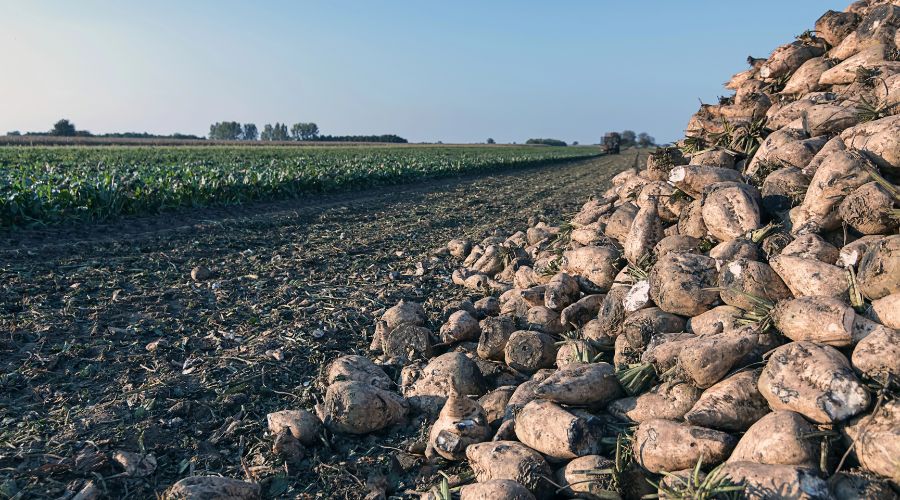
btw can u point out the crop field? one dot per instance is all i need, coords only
(40, 185)
(107, 340)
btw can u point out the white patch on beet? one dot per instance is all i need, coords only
(735, 269)
(848, 258)
(677, 174)
(846, 397)
(637, 297)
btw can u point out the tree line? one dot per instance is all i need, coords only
(629, 139)
(362, 138)
(225, 131)
(65, 128)
(547, 142)
(234, 131)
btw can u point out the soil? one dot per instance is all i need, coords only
(107, 344)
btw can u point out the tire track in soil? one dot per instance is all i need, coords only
(105, 339)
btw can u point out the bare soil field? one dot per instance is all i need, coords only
(108, 345)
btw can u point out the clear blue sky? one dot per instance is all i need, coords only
(458, 71)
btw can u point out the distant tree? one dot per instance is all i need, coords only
(628, 138)
(249, 132)
(298, 130)
(546, 142)
(13, 133)
(280, 132)
(645, 141)
(63, 127)
(304, 131)
(312, 130)
(574, 143)
(491, 141)
(277, 132)
(225, 131)
(235, 130)
(268, 133)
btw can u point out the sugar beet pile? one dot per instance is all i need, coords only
(721, 323)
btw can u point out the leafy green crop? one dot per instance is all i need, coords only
(40, 185)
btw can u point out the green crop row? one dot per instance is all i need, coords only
(44, 185)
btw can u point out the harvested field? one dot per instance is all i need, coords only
(108, 344)
(713, 319)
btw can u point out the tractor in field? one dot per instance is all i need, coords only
(611, 142)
